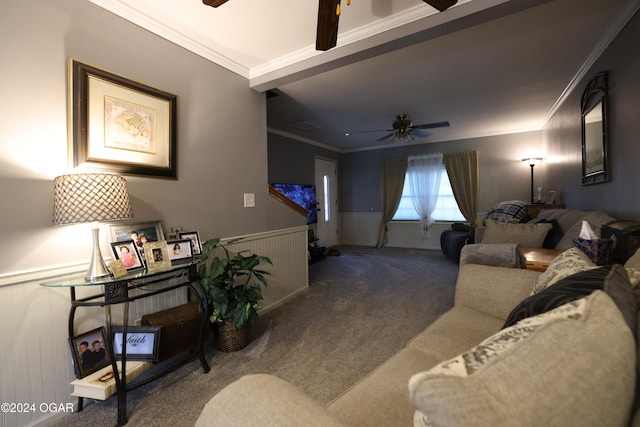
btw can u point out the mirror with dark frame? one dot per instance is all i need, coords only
(594, 109)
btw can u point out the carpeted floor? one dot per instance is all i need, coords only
(361, 307)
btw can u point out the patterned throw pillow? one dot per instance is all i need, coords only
(517, 376)
(567, 263)
(507, 211)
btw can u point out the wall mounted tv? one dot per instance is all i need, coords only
(304, 195)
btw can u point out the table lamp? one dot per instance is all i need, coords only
(91, 197)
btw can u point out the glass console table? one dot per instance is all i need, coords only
(111, 291)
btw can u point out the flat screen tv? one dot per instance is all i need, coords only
(302, 194)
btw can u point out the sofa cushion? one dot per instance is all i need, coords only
(382, 397)
(596, 220)
(567, 263)
(612, 280)
(633, 268)
(531, 235)
(574, 365)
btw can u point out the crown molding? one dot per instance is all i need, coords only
(123, 10)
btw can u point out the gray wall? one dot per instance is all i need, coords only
(562, 138)
(218, 160)
(293, 162)
(499, 158)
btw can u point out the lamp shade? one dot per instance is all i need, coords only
(90, 197)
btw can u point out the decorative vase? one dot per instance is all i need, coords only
(229, 338)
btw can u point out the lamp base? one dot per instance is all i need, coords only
(97, 267)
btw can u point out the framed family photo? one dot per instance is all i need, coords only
(139, 232)
(127, 252)
(194, 236)
(120, 125)
(90, 352)
(180, 251)
(157, 255)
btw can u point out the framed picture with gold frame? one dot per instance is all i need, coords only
(157, 255)
(120, 125)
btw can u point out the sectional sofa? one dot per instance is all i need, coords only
(519, 348)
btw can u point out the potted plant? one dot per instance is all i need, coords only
(232, 283)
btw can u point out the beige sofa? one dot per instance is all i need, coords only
(566, 372)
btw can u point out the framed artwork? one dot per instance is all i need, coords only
(143, 342)
(196, 245)
(157, 255)
(127, 252)
(180, 251)
(120, 125)
(90, 352)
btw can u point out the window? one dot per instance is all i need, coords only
(446, 207)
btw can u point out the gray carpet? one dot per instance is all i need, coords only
(361, 308)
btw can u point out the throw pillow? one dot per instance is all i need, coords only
(612, 280)
(581, 354)
(554, 235)
(530, 235)
(567, 263)
(507, 210)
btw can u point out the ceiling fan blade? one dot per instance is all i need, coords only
(214, 3)
(386, 136)
(327, 32)
(419, 133)
(441, 5)
(431, 125)
(376, 130)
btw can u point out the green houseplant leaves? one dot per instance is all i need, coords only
(232, 282)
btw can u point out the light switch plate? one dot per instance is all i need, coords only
(249, 200)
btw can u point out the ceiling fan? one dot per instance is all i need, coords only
(403, 130)
(328, 15)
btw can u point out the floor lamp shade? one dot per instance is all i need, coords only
(80, 198)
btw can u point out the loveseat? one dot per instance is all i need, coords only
(572, 365)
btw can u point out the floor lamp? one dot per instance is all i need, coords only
(532, 162)
(91, 197)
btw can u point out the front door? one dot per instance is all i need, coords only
(327, 198)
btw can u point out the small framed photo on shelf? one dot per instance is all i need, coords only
(89, 352)
(196, 245)
(180, 251)
(127, 252)
(157, 255)
(143, 342)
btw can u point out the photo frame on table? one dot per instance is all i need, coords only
(194, 236)
(120, 125)
(127, 252)
(180, 251)
(90, 352)
(157, 255)
(143, 342)
(139, 232)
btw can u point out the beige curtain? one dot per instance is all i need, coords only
(464, 174)
(392, 174)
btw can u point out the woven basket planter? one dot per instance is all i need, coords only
(229, 338)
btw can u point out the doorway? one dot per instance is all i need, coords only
(327, 199)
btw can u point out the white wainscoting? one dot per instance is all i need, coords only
(361, 229)
(35, 360)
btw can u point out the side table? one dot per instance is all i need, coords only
(537, 259)
(111, 291)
